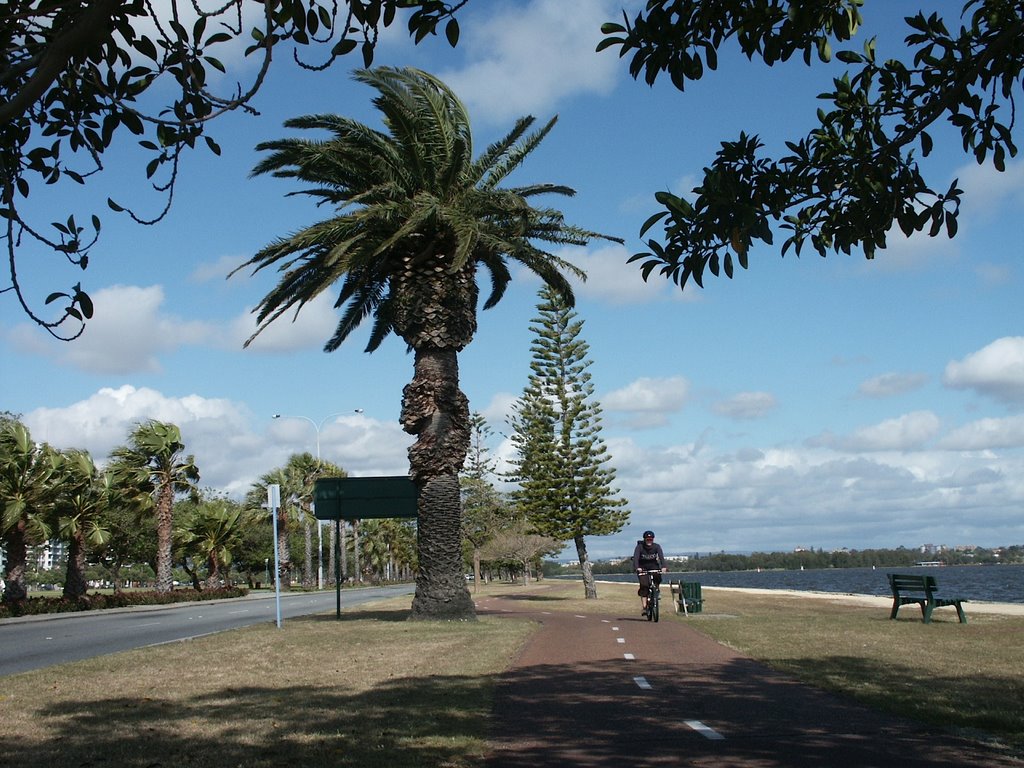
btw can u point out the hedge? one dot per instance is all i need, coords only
(34, 606)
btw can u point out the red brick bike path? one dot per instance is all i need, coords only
(606, 690)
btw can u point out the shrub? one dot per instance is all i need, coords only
(35, 606)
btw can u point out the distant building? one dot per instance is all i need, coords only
(51, 555)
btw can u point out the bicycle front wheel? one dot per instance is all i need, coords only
(654, 609)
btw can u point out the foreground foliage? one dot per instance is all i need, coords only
(856, 176)
(76, 76)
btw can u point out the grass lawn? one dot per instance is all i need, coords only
(321, 692)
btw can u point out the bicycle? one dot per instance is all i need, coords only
(653, 596)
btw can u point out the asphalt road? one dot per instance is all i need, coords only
(41, 641)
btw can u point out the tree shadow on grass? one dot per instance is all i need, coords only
(357, 614)
(535, 598)
(407, 722)
(590, 714)
(545, 714)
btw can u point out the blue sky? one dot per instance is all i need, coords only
(808, 402)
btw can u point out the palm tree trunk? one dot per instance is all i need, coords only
(307, 563)
(357, 567)
(284, 552)
(164, 511)
(213, 580)
(16, 550)
(329, 575)
(344, 554)
(437, 412)
(74, 580)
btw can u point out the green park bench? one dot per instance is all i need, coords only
(686, 597)
(913, 588)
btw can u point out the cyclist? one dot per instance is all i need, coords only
(648, 556)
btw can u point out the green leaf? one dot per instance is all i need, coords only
(651, 221)
(343, 47)
(451, 31)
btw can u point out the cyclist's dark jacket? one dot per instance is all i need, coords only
(649, 558)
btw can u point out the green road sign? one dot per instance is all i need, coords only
(361, 498)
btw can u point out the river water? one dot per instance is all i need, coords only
(995, 583)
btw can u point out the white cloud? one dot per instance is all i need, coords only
(215, 270)
(891, 384)
(996, 371)
(218, 432)
(699, 499)
(988, 192)
(127, 334)
(310, 329)
(525, 58)
(612, 280)
(746, 405)
(498, 409)
(986, 434)
(102, 421)
(648, 400)
(904, 433)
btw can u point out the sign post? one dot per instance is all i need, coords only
(360, 498)
(274, 502)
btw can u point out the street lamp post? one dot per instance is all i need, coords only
(319, 531)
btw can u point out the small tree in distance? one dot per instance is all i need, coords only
(485, 510)
(565, 483)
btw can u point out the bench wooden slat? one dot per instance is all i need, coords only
(921, 589)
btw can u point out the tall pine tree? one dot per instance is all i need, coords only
(561, 467)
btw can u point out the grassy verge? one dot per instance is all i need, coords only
(316, 692)
(373, 686)
(961, 676)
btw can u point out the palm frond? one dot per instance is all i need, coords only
(411, 192)
(514, 156)
(498, 149)
(500, 275)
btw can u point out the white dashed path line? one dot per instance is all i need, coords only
(705, 731)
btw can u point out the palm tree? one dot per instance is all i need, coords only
(415, 217)
(155, 456)
(29, 486)
(303, 469)
(256, 500)
(129, 504)
(213, 531)
(85, 494)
